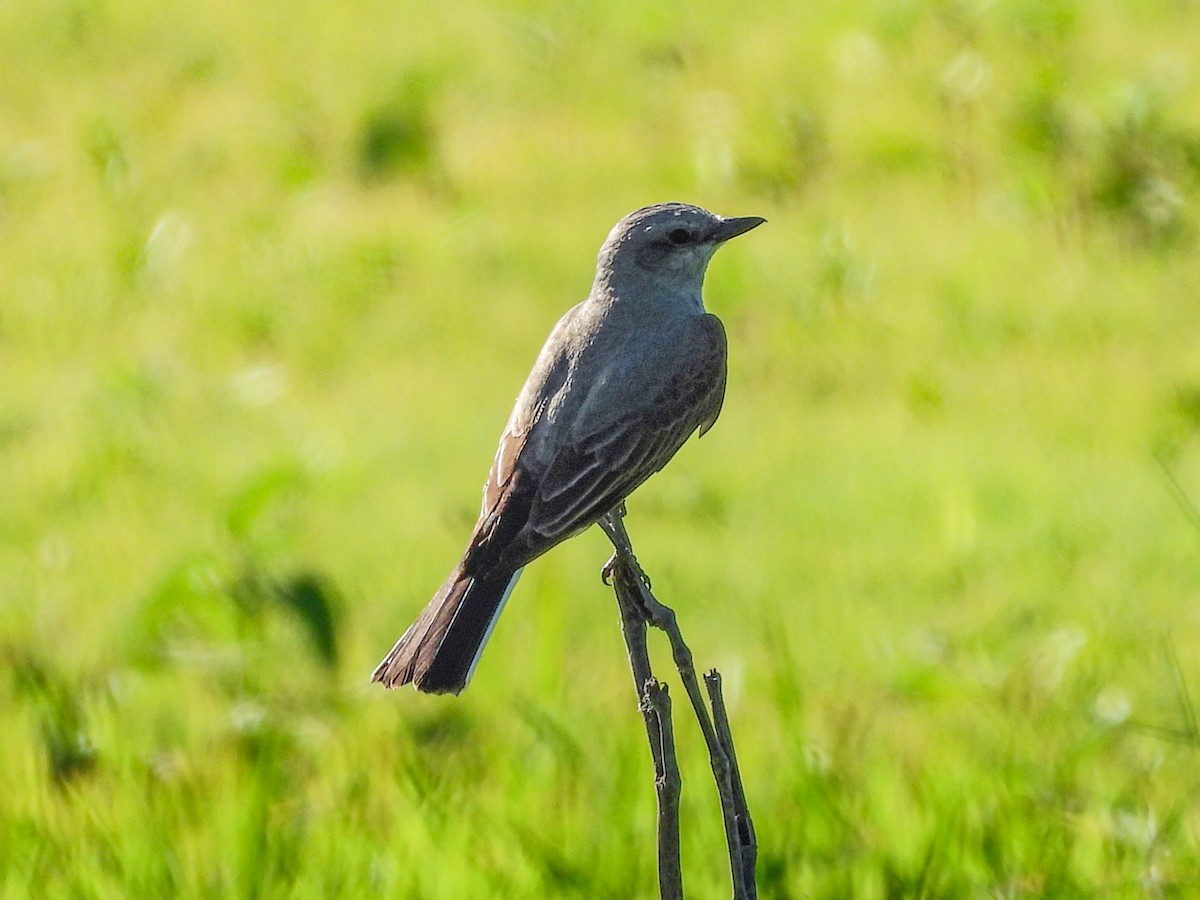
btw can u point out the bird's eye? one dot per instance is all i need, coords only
(679, 237)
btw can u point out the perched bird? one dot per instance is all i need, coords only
(624, 379)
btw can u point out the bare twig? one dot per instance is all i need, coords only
(655, 707)
(747, 841)
(667, 784)
(636, 601)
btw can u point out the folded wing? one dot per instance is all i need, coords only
(527, 512)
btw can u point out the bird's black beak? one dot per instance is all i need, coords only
(731, 228)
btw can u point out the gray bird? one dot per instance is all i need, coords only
(624, 379)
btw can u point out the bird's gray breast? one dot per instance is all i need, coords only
(599, 365)
(622, 369)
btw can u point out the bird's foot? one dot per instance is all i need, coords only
(606, 573)
(619, 557)
(641, 574)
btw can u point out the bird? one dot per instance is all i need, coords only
(623, 380)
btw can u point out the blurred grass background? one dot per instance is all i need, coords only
(270, 277)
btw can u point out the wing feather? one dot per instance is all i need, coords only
(526, 511)
(591, 476)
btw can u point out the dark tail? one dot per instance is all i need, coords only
(439, 651)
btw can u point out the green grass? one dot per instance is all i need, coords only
(270, 276)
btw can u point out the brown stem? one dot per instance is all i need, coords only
(655, 706)
(667, 786)
(630, 580)
(747, 840)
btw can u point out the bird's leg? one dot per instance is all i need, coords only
(613, 525)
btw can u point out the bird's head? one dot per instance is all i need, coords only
(667, 246)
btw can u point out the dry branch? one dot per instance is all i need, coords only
(639, 607)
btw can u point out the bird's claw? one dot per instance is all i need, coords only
(606, 573)
(610, 568)
(642, 575)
